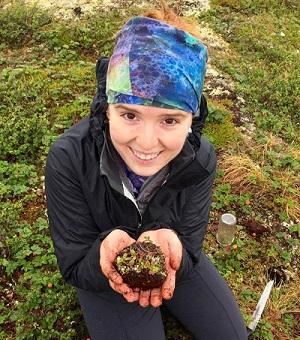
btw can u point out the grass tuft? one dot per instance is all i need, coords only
(245, 175)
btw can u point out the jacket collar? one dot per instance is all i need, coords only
(110, 165)
(185, 169)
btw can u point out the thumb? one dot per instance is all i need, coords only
(107, 256)
(175, 253)
(109, 271)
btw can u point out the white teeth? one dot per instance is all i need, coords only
(146, 157)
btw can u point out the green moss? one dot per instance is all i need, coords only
(219, 127)
(142, 256)
(220, 134)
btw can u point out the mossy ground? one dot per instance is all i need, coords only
(47, 82)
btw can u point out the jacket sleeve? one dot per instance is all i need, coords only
(195, 215)
(75, 235)
(194, 221)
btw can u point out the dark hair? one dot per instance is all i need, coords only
(99, 105)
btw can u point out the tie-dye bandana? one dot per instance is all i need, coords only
(156, 64)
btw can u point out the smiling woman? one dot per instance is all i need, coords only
(140, 169)
(147, 138)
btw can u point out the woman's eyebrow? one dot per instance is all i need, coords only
(175, 115)
(121, 106)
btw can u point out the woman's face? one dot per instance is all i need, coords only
(146, 137)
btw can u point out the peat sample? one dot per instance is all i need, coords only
(142, 265)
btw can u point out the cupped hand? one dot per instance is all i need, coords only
(171, 247)
(113, 243)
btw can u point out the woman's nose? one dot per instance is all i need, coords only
(147, 137)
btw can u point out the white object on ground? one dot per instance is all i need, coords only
(260, 306)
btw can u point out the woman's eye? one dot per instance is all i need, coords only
(129, 116)
(170, 121)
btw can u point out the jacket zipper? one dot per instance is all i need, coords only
(129, 196)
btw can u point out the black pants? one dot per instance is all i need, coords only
(202, 302)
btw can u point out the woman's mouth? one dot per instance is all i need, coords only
(145, 156)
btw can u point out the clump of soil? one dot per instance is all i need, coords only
(142, 265)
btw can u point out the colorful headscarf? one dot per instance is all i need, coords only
(156, 64)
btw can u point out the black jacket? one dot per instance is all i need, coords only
(83, 207)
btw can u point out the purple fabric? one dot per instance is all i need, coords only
(136, 180)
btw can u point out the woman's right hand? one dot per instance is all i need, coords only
(113, 243)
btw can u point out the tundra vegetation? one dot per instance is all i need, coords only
(47, 82)
(142, 265)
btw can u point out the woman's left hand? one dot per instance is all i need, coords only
(171, 247)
